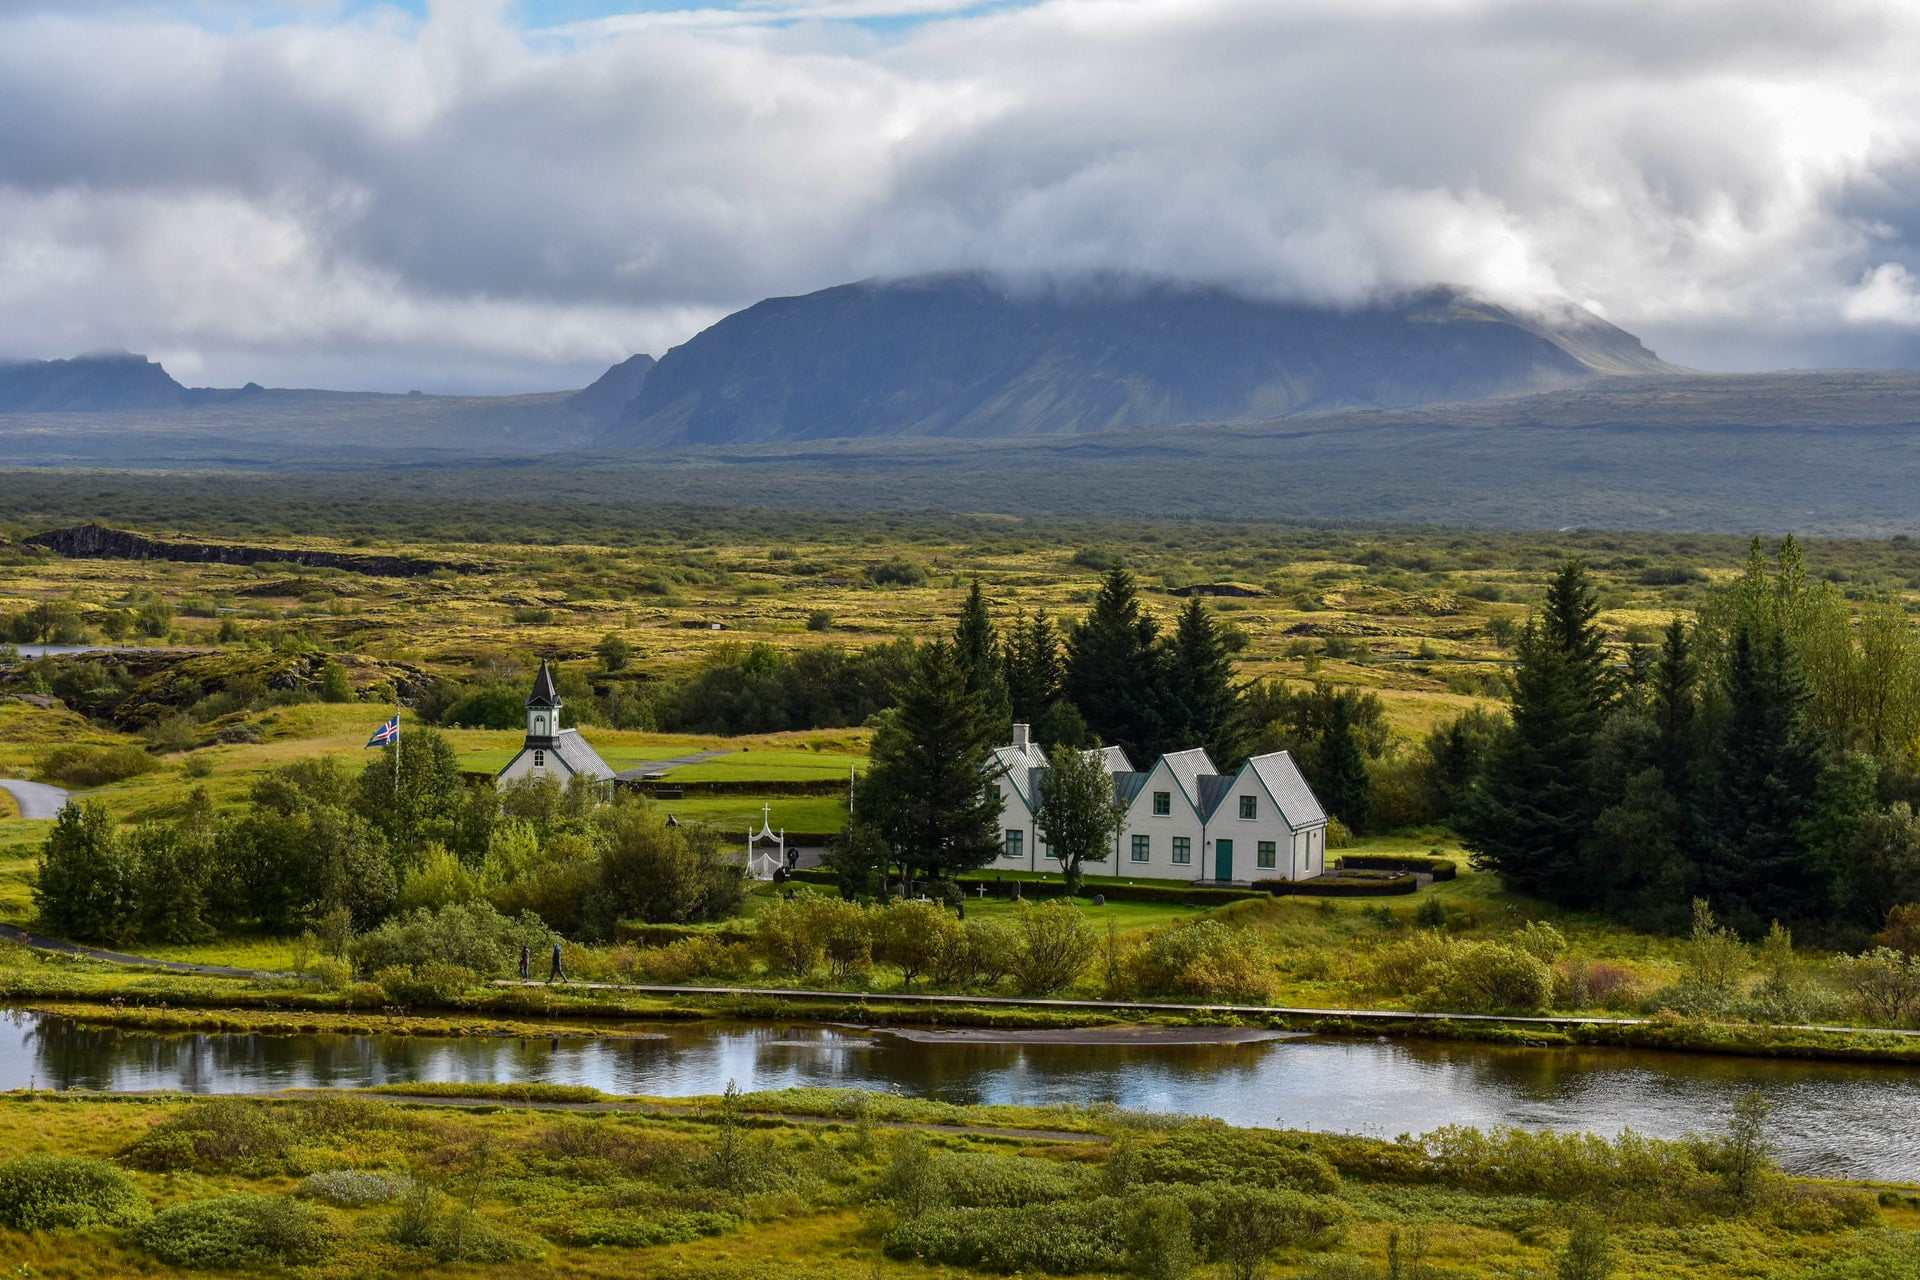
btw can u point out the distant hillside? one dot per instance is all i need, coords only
(607, 399)
(964, 355)
(87, 384)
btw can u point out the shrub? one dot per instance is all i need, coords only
(1491, 975)
(470, 936)
(1204, 959)
(1421, 864)
(819, 620)
(430, 983)
(897, 572)
(83, 767)
(1056, 942)
(452, 1232)
(984, 1180)
(1884, 983)
(1244, 1157)
(40, 1193)
(235, 1231)
(1060, 1239)
(216, 1134)
(916, 935)
(356, 1188)
(1239, 1226)
(1903, 929)
(1159, 1234)
(684, 961)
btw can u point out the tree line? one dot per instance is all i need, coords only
(1762, 759)
(317, 846)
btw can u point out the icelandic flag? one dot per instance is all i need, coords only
(387, 734)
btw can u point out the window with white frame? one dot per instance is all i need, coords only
(1265, 855)
(1162, 804)
(1142, 848)
(1014, 840)
(1249, 807)
(1182, 850)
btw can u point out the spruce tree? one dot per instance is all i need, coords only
(1765, 773)
(1341, 776)
(1203, 702)
(1675, 706)
(1116, 672)
(976, 646)
(1034, 671)
(1532, 818)
(927, 792)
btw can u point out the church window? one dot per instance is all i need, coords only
(539, 759)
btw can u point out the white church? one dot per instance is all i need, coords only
(550, 751)
(1185, 819)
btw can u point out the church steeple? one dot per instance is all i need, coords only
(543, 709)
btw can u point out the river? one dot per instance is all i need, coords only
(1830, 1119)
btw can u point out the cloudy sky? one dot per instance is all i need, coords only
(490, 195)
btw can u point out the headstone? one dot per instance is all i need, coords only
(1099, 899)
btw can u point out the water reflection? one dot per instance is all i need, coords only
(1831, 1119)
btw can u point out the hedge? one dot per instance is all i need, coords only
(1341, 886)
(1177, 894)
(1418, 863)
(642, 934)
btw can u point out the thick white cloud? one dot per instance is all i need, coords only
(463, 203)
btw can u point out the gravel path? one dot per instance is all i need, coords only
(36, 799)
(646, 767)
(42, 943)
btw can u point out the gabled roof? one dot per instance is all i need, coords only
(1188, 767)
(579, 756)
(1113, 758)
(544, 694)
(1289, 789)
(1213, 789)
(1127, 785)
(1018, 767)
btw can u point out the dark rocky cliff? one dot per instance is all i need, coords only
(97, 542)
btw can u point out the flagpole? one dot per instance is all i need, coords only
(396, 744)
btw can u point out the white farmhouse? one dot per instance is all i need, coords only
(551, 751)
(1185, 819)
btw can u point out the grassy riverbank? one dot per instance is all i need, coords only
(748, 1189)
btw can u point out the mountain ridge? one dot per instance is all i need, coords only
(964, 354)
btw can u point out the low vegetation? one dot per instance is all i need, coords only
(346, 1185)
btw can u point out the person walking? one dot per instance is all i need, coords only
(559, 973)
(526, 963)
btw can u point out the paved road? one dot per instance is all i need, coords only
(646, 767)
(36, 799)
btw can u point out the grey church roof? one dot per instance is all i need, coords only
(544, 694)
(579, 756)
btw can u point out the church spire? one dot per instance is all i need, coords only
(544, 694)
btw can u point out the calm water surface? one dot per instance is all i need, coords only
(1830, 1119)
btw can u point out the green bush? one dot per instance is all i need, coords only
(1337, 886)
(39, 1193)
(1061, 1239)
(898, 572)
(236, 1231)
(431, 983)
(84, 767)
(979, 1180)
(1244, 1157)
(470, 936)
(216, 1134)
(1201, 959)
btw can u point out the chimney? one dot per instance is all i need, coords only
(1020, 736)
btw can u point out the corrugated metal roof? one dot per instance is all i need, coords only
(1016, 766)
(1115, 759)
(1127, 785)
(579, 756)
(1289, 789)
(1188, 767)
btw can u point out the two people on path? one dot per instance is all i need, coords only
(559, 973)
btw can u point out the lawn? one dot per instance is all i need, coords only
(771, 766)
(731, 815)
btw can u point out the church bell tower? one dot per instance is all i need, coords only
(543, 710)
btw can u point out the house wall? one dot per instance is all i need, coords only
(1267, 825)
(1160, 831)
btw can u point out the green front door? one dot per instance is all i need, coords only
(1223, 859)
